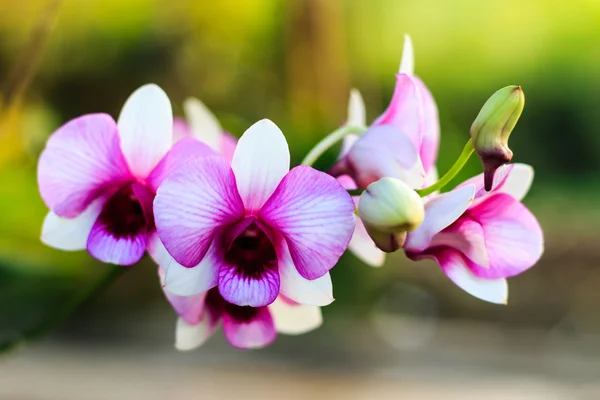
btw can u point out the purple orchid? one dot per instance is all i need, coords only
(481, 238)
(254, 228)
(99, 177)
(403, 142)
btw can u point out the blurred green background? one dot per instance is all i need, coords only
(295, 62)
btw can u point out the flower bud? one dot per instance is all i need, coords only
(492, 127)
(389, 208)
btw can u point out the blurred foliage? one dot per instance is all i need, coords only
(294, 62)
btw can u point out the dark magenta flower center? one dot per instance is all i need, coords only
(252, 253)
(217, 305)
(125, 215)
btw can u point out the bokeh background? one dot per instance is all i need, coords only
(400, 330)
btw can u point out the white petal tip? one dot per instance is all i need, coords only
(356, 109)
(265, 122)
(151, 89)
(407, 64)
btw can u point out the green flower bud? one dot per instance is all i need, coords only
(492, 127)
(389, 208)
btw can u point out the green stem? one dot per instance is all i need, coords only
(448, 176)
(49, 324)
(328, 141)
(355, 192)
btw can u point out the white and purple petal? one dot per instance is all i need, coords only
(71, 234)
(455, 266)
(513, 238)
(146, 129)
(248, 327)
(82, 160)
(291, 318)
(109, 247)
(316, 292)
(512, 179)
(440, 212)
(183, 151)
(203, 123)
(260, 162)
(315, 215)
(405, 112)
(382, 151)
(430, 134)
(183, 281)
(192, 204)
(242, 289)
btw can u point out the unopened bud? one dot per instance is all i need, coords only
(492, 127)
(389, 208)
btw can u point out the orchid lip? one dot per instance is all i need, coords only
(252, 252)
(249, 275)
(125, 213)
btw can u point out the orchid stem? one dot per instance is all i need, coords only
(355, 192)
(52, 322)
(328, 141)
(452, 172)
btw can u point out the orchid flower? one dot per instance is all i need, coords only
(253, 228)
(481, 238)
(403, 142)
(200, 314)
(244, 327)
(99, 177)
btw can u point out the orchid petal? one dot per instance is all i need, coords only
(364, 248)
(405, 112)
(203, 123)
(347, 144)
(518, 181)
(316, 292)
(440, 212)
(385, 151)
(182, 152)
(356, 110)
(253, 333)
(183, 281)
(430, 137)
(407, 64)
(455, 267)
(71, 233)
(81, 160)
(315, 215)
(189, 308)
(512, 179)
(158, 253)
(191, 205)
(466, 236)
(242, 290)
(146, 129)
(361, 243)
(189, 337)
(295, 319)
(513, 237)
(260, 161)
(109, 248)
